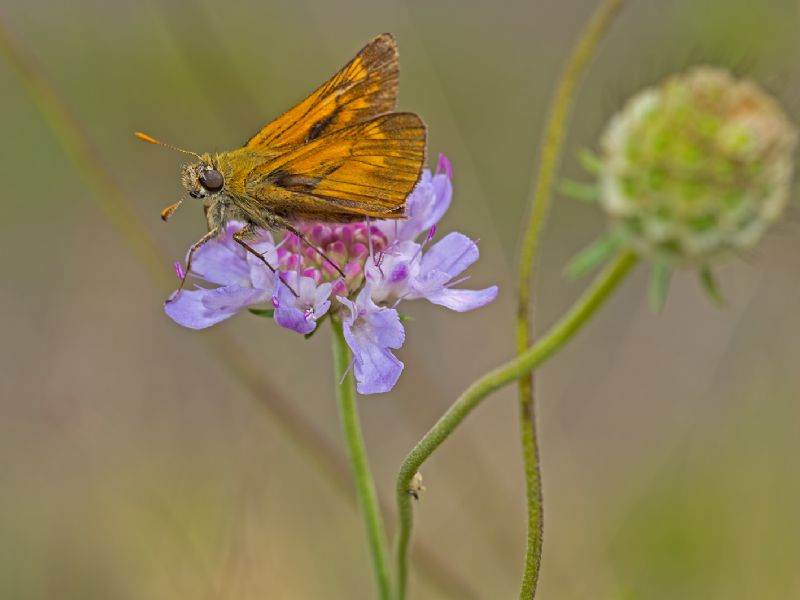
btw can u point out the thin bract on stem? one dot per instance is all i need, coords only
(551, 150)
(365, 487)
(558, 335)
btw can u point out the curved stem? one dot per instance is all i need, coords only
(600, 289)
(551, 150)
(365, 487)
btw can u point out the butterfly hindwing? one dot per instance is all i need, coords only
(363, 89)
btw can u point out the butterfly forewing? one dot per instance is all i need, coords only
(368, 168)
(363, 89)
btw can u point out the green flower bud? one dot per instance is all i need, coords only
(698, 165)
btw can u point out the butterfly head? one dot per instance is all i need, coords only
(202, 179)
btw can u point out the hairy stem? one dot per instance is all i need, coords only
(558, 335)
(551, 151)
(365, 487)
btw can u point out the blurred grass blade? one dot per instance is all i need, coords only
(83, 153)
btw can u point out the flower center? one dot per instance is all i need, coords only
(348, 246)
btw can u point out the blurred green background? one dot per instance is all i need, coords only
(134, 464)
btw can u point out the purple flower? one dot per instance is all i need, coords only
(370, 331)
(300, 313)
(404, 272)
(383, 264)
(240, 277)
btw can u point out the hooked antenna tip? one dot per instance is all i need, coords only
(146, 138)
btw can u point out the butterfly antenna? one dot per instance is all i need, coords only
(168, 211)
(146, 138)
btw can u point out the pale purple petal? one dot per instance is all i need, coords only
(442, 195)
(201, 308)
(426, 283)
(261, 275)
(300, 314)
(463, 300)
(287, 312)
(452, 255)
(395, 269)
(222, 260)
(291, 317)
(426, 204)
(377, 369)
(321, 302)
(370, 332)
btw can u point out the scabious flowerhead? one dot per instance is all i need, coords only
(698, 165)
(384, 262)
(348, 246)
(690, 170)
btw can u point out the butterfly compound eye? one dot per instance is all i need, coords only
(212, 180)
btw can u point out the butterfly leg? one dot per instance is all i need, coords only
(300, 236)
(249, 232)
(194, 247)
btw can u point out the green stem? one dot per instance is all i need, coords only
(365, 487)
(533, 488)
(561, 105)
(600, 289)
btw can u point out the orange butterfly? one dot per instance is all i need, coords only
(340, 155)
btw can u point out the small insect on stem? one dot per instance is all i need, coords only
(415, 487)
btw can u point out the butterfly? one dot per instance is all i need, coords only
(340, 155)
